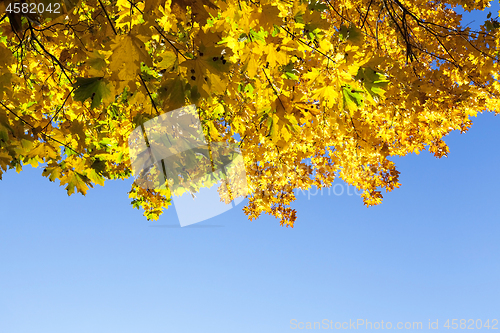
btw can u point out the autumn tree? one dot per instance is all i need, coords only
(309, 90)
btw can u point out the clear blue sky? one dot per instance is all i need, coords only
(94, 264)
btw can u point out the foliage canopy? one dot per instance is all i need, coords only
(310, 90)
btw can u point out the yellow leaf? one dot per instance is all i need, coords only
(129, 51)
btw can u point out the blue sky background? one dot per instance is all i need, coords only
(94, 264)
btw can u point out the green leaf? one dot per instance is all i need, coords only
(94, 88)
(289, 71)
(249, 89)
(261, 35)
(299, 17)
(291, 76)
(373, 82)
(352, 98)
(351, 34)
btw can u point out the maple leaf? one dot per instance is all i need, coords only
(352, 98)
(208, 71)
(171, 93)
(351, 34)
(373, 82)
(94, 88)
(5, 160)
(76, 181)
(128, 52)
(268, 17)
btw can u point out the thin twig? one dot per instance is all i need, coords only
(107, 16)
(149, 94)
(57, 112)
